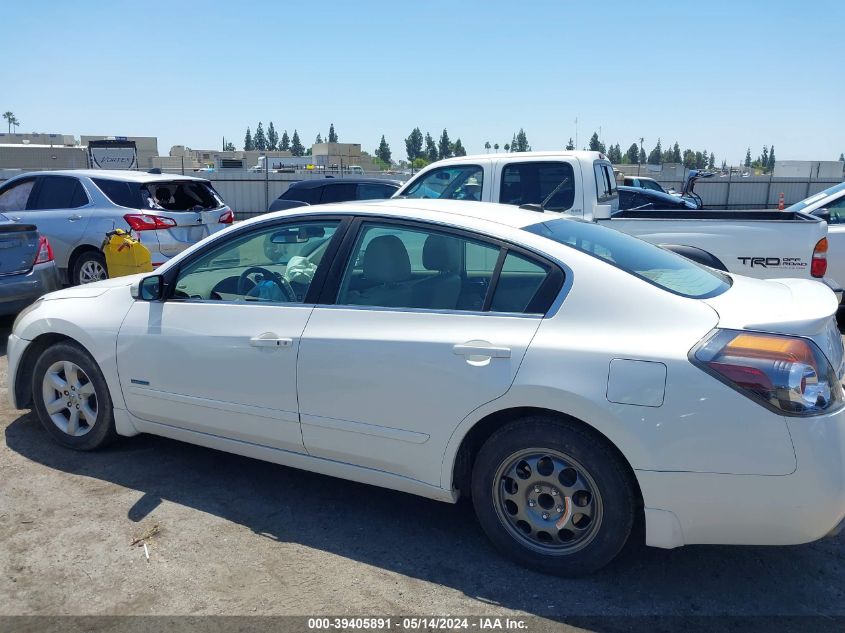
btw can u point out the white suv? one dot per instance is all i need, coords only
(75, 209)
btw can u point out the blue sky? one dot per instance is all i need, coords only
(719, 75)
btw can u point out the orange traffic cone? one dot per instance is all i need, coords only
(781, 205)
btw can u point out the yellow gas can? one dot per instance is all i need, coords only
(125, 255)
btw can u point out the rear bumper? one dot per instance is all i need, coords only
(18, 291)
(684, 508)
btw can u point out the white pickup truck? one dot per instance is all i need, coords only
(763, 244)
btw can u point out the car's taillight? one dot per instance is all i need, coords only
(45, 251)
(818, 266)
(787, 373)
(227, 217)
(144, 222)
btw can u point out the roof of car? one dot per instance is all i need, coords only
(649, 193)
(589, 155)
(115, 174)
(319, 182)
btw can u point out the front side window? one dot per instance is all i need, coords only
(651, 263)
(270, 265)
(59, 192)
(837, 211)
(605, 182)
(16, 196)
(401, 267)
(552, 183)
(461, 182)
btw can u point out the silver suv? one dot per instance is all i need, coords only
(76, 208)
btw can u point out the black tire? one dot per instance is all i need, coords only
(614, 497)
(82, 265)
(94, 435)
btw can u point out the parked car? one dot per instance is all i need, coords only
(643, 183)
(326, 190)
(567, 377)
(649, 200)
(829, 205)
(75, 209)
(763, 244)
(27, 267)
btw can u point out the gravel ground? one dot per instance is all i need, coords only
(242, 537)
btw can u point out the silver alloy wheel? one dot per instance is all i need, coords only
(92, 271)
(69, 398)
(547, 501)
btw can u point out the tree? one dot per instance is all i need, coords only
(259, 139)
(319, 138)
(383, 151)
(748, 158)
(701, 159)
(248, 144)
(272, 138)
(10, 119)
(614, 154)
(763, 161)
(496, 146)
(842, 157)
(689, 159)
(458, 148)
(414, 145)
(656, 155)
(296, 147)
(633, 154)
(229, 146)
(332, 134)
(771, 164)
(419, 162)
(444, 149)
(15, 123)
(513, 143)
(521, 142)
(676, 153)
(570, 145)
(594, 142)
(711, 163)
(506, 147)
(487, 146)
(431, 153)
(284, 144)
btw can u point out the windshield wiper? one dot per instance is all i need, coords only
(531, 206)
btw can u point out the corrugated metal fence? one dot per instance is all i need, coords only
(752, 192)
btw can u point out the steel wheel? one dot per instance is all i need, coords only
(92, 270)
(69, 398)
(547, 501)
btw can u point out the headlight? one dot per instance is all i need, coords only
(24, 312)
(786, 373)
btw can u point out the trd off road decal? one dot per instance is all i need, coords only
(790, 263)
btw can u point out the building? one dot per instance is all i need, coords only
(146, 146)
(817, 169)
(341, 156)
(29, 156)
(50, 140)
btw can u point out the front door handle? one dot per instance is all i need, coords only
(15, 218)
(268, 339)
(478, 349)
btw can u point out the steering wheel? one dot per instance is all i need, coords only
(283, 284)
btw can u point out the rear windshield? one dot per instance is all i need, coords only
(651, 263)
(177, 195)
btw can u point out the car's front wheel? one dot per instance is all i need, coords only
(89, 266)
(553, 496)
(71, 398)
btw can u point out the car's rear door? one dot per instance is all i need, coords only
(418, 337)
(60, 208)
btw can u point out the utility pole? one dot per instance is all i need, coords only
(642, 140)
(576, 133)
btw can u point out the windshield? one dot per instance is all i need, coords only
(651, 263)
(807, 202)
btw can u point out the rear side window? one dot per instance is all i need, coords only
(368, 191)
(518, 284)
(535, 183)
(651, 263)
(341, 192)
(311, 195)
(15, 197)
(59, 192)
(120, 193)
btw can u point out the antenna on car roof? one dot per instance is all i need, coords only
(533, 206)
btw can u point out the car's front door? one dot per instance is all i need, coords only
(218, 356)
(60, 208)
(420, 335)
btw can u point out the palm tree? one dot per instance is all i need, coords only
(496, 147)
(487, 146)
(15, 122)
(10, 117)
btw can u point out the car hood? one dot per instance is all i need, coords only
(94, 289)
(799, 307)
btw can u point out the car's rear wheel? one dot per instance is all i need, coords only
(553, 496)
(71, 398)
(89, 266)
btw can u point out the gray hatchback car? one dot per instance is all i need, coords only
(76, 208)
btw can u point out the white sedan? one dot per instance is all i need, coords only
(571, 379)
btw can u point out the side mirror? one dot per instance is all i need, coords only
(148, 289)
(823, 214)
(602, 211)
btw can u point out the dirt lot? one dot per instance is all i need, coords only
(238, 536)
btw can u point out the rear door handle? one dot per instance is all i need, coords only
(75, 217)
(15, 218)
(269, 339)
(469, 349)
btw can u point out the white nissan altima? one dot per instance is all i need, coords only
(570, 379)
